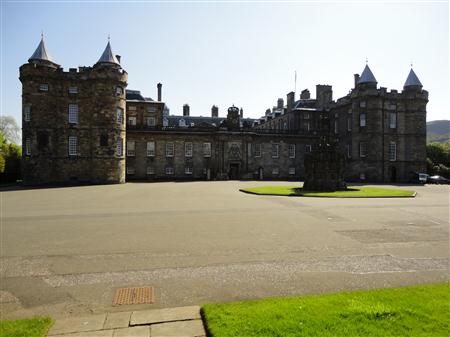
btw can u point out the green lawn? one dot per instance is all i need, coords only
(412, 311)
(352, 192)
(34, 327)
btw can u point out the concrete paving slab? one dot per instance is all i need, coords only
(98, 333)
(115, 320)
(137, 331)
(78, 324)
(165, 315)
(192, 328)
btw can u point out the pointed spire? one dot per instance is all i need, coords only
(412, 80)
(108, 55)
(367, 76)
(41, 53)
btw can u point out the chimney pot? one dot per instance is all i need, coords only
(356, 79)
(159, 86)
(186, 110)
(214, 111)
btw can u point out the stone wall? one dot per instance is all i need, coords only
(232, 156)
(409, 135)
(49, 129)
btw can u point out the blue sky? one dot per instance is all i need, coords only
(238, 53)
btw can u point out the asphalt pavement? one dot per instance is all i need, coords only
(65, 251)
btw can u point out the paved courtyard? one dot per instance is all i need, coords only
(65, 251)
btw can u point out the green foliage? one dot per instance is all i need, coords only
(352, 192)
(412, 311)
(10, 160)
(34, 327)
(438, 159)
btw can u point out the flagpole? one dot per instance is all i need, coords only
(295, 82)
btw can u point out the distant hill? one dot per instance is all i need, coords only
(438, 131)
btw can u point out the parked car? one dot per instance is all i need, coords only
(422, 177)
(438, 180)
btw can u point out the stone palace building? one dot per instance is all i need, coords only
(84, 126)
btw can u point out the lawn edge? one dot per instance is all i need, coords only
(344, 292)
(328, 196)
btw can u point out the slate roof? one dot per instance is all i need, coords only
(108, 56)
(412, 80)
(367, 76)
(134, 95)
(41, 53)
(305, 104)
(200, 121)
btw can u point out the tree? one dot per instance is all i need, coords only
(10, 129)
(10, 153)
(438, 158)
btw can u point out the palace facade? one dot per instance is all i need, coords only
(84, 126)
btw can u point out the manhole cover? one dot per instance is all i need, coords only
(139, 295)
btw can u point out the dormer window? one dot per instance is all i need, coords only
(182, 123)
(43, 87)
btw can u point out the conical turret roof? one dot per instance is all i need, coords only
(108, 56)
(412, 80)
(367, 76)
(41, 53)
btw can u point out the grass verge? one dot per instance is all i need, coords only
(351, 192)
(417, 311)
(33, 327)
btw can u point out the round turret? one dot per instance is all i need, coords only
(73, 122)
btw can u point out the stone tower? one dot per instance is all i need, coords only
(382, 132)
(73, 122)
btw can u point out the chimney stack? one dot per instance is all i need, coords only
(241, 113)
(290, 99)
(186, 110)
(159, 86)
(305, 94)
(324, 95)
(280, 103)
(214, 111)
(356, 79)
